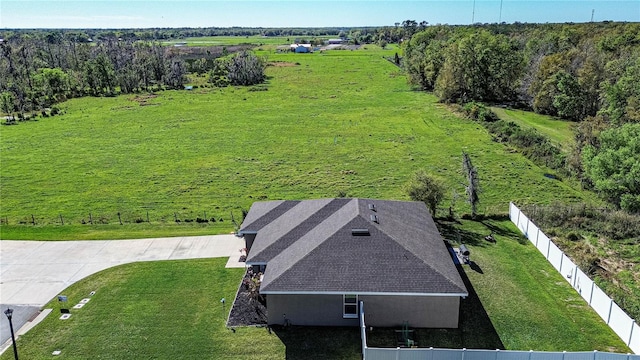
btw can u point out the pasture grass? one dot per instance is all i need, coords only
(109, 231)
(559, 132)
(235, 40)
(336, 123)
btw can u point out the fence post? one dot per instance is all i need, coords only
(537, 236)
(564, 353)
(463, 350)
(633, 324)
(398, 353)
(548, 249)
(575, 277)
(610, 309)
(530, 354)
(431, 352)
(595, 354)
(561, 259)
(593, 284)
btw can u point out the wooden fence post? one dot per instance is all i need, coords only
(119, 218)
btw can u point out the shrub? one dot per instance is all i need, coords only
(478, 111)
(423, 187)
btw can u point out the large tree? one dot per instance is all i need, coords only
(614, 166)
(246, 68)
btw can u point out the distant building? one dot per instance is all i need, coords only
(335, 41)
(301, 48)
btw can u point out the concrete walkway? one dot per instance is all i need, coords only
(34, 272)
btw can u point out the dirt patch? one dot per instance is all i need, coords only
(143, 100)
(283, 64)
(247, 311)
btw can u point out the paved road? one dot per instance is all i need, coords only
(34, 272)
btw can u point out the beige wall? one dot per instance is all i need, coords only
(384, 311)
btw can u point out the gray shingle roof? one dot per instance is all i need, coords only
(309, 247)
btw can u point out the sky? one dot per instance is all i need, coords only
(302, 13)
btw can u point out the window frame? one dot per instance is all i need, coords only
(345, 314)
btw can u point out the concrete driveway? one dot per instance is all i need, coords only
(33, 272)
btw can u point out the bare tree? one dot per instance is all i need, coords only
(473, 183)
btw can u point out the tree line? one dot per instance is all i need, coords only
(586, 73)
(39, 72)
(156, 34)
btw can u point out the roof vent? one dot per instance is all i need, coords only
(360, 232)
(372, 207)
(374, 218)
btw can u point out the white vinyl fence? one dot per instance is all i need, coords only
(623, 325)
(466, 354)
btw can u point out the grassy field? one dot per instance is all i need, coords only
(342, 122)
(560, 132)
(235, 40)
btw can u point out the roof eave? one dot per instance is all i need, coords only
(275, 292)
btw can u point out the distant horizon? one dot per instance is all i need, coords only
(143, 14)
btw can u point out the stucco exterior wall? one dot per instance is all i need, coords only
(380, 310)
(316, 310)
(417, 311)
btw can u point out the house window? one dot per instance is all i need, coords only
(350, 306)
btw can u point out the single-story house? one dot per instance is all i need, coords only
(320, 258)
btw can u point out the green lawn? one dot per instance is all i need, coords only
(342, 122)
(170, 310)
(560, 132)
(527, 300)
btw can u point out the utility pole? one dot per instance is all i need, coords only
(473, 13)
(500, 17)
(592, 11)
